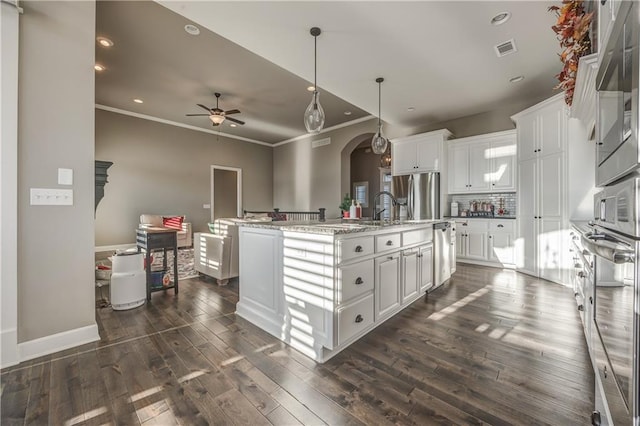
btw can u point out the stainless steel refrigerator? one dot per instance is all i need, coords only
(421, 194)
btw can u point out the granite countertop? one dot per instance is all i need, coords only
(480, 217)
(338, 226)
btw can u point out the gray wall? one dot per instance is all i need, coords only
(365, 167)
(56, 129)
(163, 169)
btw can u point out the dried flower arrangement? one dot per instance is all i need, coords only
(572, 28)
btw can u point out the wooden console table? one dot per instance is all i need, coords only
(150, 239)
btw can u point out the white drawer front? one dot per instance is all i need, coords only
(475, 224)
(501, 225)
(418, 236)
(354, 318)
(354, 247)
(387, 242)
(355, 280)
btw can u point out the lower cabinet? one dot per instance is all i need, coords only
(354, 318)
(387, 284)
(425, 256)
(410, 273)
(486, 241)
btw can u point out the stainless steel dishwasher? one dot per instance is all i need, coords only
(441, 253)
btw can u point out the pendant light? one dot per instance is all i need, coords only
(385, 159)
(379, 143)
(314, 114)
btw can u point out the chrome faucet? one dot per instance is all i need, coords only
(394, 203)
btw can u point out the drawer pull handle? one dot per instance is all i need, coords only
(358, 249)
(464, 224)
(389, 257)
(605, 371)
(359, 318)
(359, 281)
(500, 225)
(389, 242)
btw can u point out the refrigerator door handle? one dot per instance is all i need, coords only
(410, 198)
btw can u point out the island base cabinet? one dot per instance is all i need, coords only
(387, 285)
(425, 256)
(354, 318)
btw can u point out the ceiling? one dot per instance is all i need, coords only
(437, 57)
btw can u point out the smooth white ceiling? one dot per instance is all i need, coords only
(436, 56)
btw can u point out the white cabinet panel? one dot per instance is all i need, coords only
(476, 245)
(482, 163)
(387, 285)
(551, 184)
(418, 153)
(354, 318)
(426, 267)
(387, 242)
(550, 249)
(354, 280)
(410, 274)
(350, 248)
(501, 248)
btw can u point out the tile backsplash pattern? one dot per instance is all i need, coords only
(464, 201)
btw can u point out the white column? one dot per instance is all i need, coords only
(8, 184)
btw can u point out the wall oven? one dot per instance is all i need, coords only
(615, 244)
(617, 151)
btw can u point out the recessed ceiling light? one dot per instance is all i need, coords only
(99, 67)
(500, 18)
(105, 42)
(347, 113)
(311, 89)
(516, 79)
(411, 109)
(192, 29)
(233, 125)
(138, 101)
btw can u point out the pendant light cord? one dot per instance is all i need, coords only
(379, 103)
(315, 63)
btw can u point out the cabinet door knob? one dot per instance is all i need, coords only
(390, 258)
(359, 281)
(358, 249)
(389, 242)
(490, 236)
(359, 318)
(581, 308)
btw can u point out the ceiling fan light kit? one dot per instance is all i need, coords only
(217, 115)
(314, 114)
(379, 142)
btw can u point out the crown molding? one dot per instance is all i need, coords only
(328, 129)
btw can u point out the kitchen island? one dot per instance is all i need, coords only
(321, 286)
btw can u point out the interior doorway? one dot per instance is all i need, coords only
(226, 192)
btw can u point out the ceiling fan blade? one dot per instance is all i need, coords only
(235, 120)
(197, 115)
(202, 106)
(232, 111)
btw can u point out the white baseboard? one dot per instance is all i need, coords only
(58, 342)
(115, 247)
(9, 348)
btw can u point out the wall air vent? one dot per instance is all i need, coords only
(505, 48)
(320, 142)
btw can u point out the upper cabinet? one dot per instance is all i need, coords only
(484, 163)
(541, 133)
(418, 153)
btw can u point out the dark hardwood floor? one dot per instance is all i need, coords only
(491, 347)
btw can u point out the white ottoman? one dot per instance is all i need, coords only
(128, 281)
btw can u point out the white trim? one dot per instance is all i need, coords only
(9, 348)
(115, 247)
(175, 123)
(539, 105)
(328, 129)
(58, 342)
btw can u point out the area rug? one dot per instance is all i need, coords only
(185, 262)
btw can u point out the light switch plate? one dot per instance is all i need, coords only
(65, 176)
(51, 197)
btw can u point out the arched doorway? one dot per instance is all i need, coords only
(361, 171)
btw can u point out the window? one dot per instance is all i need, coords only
(361, 193)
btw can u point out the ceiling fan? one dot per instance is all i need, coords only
(217, 115)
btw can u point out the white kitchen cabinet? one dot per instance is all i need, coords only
(488, 242)
(501, 242)
(354, 280)
(418, 153)
(484, 163)
(425, 260)
(387, 284)
(471, 239)
(541, 198)
(410, 274)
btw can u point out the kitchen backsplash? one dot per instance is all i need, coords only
(464, 201)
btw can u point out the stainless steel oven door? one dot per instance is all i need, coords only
(617, 139)
(616, 320)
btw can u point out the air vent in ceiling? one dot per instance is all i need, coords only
(505, 48)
